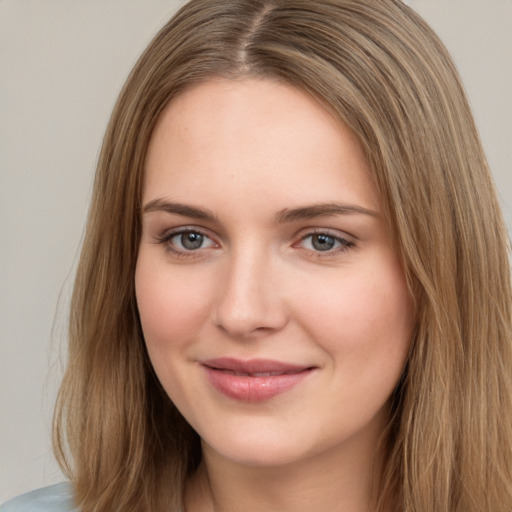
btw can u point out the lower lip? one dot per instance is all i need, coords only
(254, 389)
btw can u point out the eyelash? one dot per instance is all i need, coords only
(343, 244)
(167, 237)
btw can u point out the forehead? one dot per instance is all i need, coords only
(251, 137)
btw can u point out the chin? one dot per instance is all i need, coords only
(268, 443)
(262, 445)
(263, 454)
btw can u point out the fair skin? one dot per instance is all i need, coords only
(274, 308)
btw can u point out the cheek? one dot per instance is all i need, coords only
(172, 305)
(364, 321)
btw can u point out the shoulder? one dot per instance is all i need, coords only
(55, 498)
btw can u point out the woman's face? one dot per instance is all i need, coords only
(274, 307)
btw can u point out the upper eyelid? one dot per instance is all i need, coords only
(297, 237)
(166, 236)
(335, 233)
(170, 232)
(345, 241)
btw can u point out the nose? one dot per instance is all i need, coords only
(251, 302)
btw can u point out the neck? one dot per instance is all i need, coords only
(338, 480)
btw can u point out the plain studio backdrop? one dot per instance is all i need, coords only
(62, 64)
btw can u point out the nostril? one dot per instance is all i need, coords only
(247, 304)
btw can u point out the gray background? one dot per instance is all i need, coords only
(62, 64)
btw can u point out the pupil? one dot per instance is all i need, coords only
(192, 240)
(322, 242)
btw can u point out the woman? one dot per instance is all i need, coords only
(294, 291)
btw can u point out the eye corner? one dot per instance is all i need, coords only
(175, 241)
(325, 242)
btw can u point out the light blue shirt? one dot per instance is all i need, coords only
(55, 498)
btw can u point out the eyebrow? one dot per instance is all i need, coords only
(321, 210)
(179, 209)
(284, 216)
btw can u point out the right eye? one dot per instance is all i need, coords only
(189, 240)
(186, 241)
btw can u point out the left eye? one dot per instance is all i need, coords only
(190, 241)
(323, 242)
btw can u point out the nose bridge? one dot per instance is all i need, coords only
(249, 300)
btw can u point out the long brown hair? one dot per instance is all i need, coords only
(377, 66)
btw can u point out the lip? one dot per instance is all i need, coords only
(254, 380)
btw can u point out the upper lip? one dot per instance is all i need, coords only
(254, 366)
